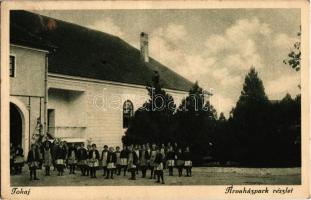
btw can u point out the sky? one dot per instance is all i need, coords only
(215, 47)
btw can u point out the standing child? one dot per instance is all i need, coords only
(47, 157)
(180, 161)
(132, 162)
(188, 162)
(111, 162)
(104, 159)
(143, 160)
(61, 158)
(137, 150)
(89, 148)
(33, 161)
(123, 158)
(170, 155)
(40, 150)
(72, 158)
(19, 159)
(159, 166)
(93, 160)
(163, 152)
(118, 162)
(54, 150)
(152, 165)
(82, 159)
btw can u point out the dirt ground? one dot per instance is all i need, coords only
(200, 176)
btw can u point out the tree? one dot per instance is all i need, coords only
(196, 123)
(294, 56)
(286, 132)
(250, 119)
(151, 122)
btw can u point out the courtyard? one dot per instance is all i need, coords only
(200, 176)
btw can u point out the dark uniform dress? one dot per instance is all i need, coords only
(118, 162)
(33, 163)
(170, 156)
(111, 164)
(132, 164)
(93, 162)
(180, 162)
(72, 159)
(123, 160)
(82, 160)
(152, 164)
(47, 157)
(143, 161)
(188, 162)
(18, 160)
(60, 157)
(159, 167)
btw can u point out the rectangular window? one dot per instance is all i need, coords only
(12, 66)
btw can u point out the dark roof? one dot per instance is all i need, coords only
(89, 53)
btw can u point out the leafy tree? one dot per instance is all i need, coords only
(196, 123)
(266, 132)
(286, 132)
(151, 122)
(294, 56)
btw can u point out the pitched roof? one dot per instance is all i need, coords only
(89, 53)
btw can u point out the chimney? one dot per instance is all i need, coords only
(144, 52)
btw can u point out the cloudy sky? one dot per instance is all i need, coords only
(216, 47)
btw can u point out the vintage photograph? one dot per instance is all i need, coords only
(155, 97)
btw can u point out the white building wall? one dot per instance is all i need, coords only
(99, 109)
(27, 87)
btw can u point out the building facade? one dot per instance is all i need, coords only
(27, 92)
(78, 84)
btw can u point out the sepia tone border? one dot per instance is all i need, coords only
(150, 192)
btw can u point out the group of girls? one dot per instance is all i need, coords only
(132, 159)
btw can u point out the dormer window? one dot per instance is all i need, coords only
(12, 66)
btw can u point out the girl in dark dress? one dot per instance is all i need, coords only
(111, 162)
(118, 162)
(132, 163)
(170, 156)
(61, 158)
(180, 161)
(93, 160)
(18, 159)
(87, 168)
(104, 159)
(33, 161)
(143, 160)
(152, 164)
(123, 159)
(72, 158)
(188, 161)
(159, 166)
(82, 159)
(47, 157)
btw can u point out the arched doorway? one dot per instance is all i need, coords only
(16, 125)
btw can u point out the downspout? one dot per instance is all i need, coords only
(45, 128)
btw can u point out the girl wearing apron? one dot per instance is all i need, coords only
(93, 160)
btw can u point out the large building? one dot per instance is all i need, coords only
(76, 83)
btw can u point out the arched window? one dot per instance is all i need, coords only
(128, 111)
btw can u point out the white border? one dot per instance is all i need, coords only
(151, 192)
